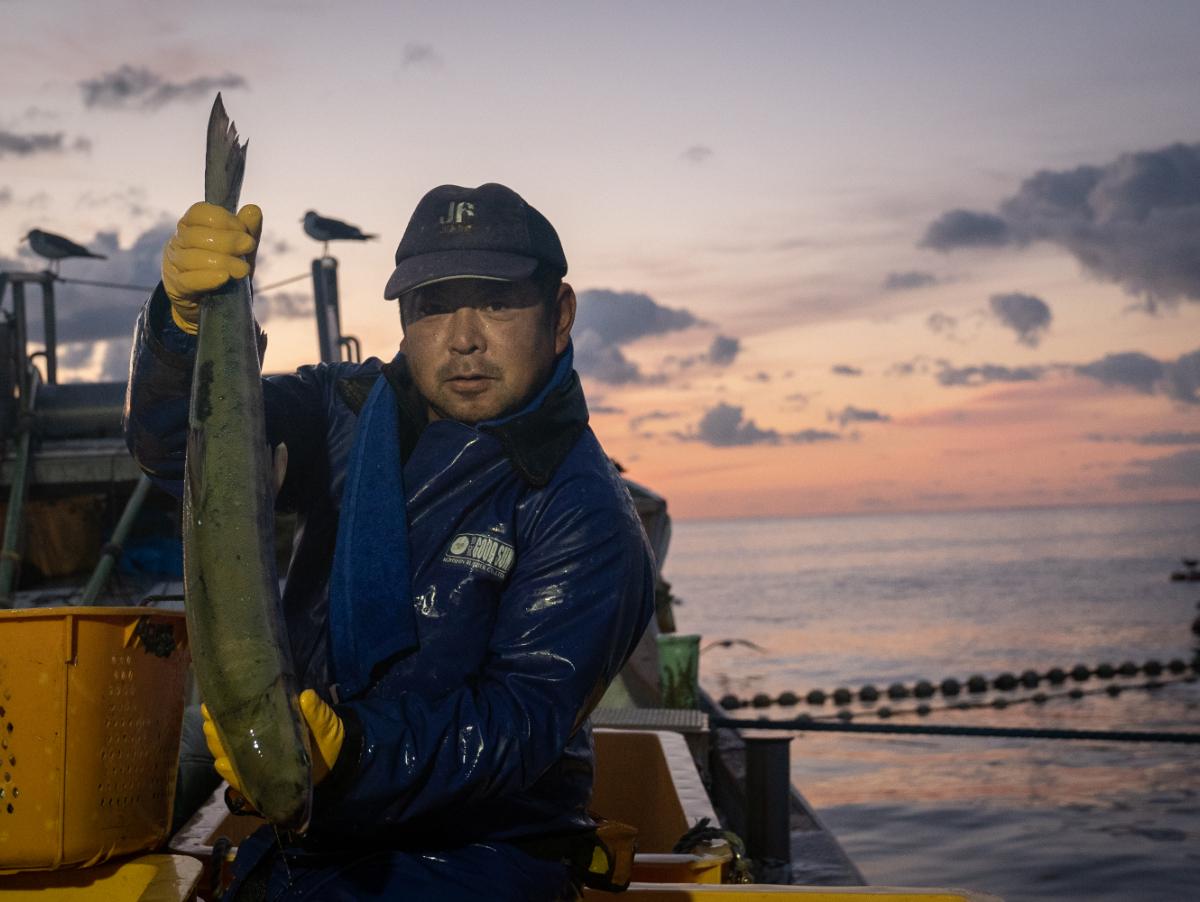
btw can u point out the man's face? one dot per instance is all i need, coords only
(479, 349)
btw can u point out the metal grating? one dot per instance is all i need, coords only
(677, 720)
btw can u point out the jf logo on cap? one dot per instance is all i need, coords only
(487, 232)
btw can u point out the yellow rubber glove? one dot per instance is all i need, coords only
(328, 733)
(324, 726)
(217, 750)
(210, 246)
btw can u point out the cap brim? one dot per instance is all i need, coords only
(442, 266)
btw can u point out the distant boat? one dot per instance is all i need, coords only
(1189, 573)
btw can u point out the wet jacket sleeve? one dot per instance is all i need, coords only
(156, 401)
(159, 392)
(580, 597)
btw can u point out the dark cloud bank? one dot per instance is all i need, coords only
(906, 281)
(28, 144)
(962, 228)
(1178, 380)
(606, 320)
(1179, 469)
(1149, 438)
(723, 350)
(419, 53)
(942, 323)
(725, 426)
(636, 423)
(618, 317)
(851, 414)
(1025, 314)
(1134, 221)
(138, 88)
(985, 373)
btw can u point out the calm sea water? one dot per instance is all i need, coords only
(846, 601)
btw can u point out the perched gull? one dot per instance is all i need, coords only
(326, 230)
(56, 247)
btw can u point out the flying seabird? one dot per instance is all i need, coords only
(324, 229)
(56, 247)
(729, 643)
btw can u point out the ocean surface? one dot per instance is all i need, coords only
(877, 599)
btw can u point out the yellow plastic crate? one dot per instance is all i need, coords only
(147, 878)
(91, 705)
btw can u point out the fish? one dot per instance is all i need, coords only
(235, 620)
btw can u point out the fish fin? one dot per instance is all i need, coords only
(225, 160)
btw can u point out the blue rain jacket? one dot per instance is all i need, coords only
(531, 582)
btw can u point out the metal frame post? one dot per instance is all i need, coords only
(353, 348)
(113, 547)
(18, 293)
(325, 297)
(768, 798)
(10, 557)
(49, 329)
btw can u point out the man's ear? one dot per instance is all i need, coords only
(566, 317)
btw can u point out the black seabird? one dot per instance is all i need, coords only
(56, 247)
(325, 230)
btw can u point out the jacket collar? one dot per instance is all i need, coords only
(538, 440)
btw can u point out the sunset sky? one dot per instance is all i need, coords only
(831, 257)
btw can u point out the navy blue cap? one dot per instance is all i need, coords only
(487, 232)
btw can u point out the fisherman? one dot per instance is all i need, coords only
(468, 573)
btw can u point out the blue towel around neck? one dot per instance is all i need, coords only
(371, 616)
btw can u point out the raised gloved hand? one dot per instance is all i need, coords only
(324, 726)
(210, 246)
